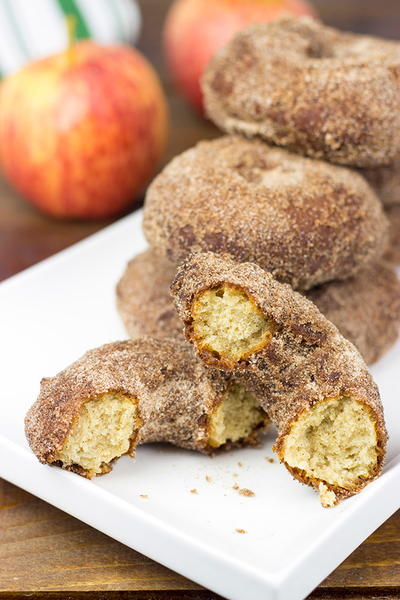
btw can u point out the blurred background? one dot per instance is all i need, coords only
(27, 235)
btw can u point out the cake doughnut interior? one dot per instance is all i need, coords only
(335, 441)
(227, 322)
(102, 432)
(236, 417)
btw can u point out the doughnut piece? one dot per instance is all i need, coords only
(385, 181)
(310, 88)
(132, 392)
(306, 221)
(392, 254)
(312, 382)
(365, 308)
(143, 298)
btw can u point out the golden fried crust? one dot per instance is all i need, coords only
(365, 308)
(386, 183)
(310, 88)
(143, 299)
(392, 255)
(307, 359)
(175, 395)
(306, 221)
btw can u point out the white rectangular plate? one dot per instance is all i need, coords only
(55, 311)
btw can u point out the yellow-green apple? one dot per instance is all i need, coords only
(195, 29)
(81, 131)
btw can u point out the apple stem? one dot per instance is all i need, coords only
(71, 37)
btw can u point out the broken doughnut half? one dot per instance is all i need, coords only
(312, 382)
(128, 393)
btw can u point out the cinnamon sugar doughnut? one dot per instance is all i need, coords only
(131, 392)
(385, 181)
(365, 308)
(304, 220)
(310, 88)
(392, 254)
(143, 298)
(313, 383)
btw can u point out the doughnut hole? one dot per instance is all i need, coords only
(334, 442)
(228, 324)
(103, 431)
(236, 418)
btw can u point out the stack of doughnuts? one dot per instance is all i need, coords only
(318, 92)
(309, 190)
(269, 282)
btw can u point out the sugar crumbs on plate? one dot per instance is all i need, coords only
(246, 492)
(194, 491)
(208, 479)
(268, 459)
(243, 491)
(143, 495)
(240, 531)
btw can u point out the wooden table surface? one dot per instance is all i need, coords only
(45, 553)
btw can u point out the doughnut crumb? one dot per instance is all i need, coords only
(246, 492)
(327, 497)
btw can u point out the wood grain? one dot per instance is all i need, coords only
(46, 554)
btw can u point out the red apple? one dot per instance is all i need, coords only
(81, 131)
(195, 29)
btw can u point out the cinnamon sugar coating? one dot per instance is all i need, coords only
(143, 298)
(306, 221)
(385, 181)
(305, 362)
(175, 396)
(392, 255)
(365, 308)
(310, 88)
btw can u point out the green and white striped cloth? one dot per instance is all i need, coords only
(31, 29)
